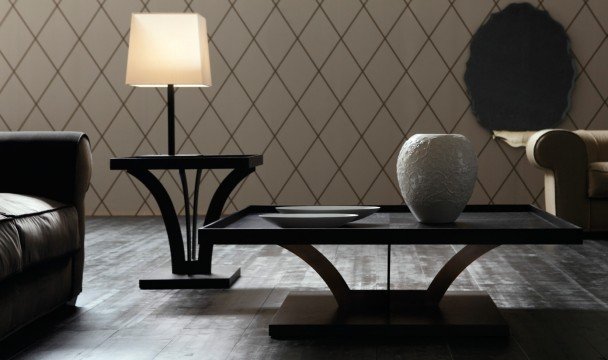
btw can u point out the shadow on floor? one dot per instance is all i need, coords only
(36, 331)
(535, 333)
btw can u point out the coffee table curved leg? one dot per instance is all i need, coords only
(368, 313)
(450, 271)
(163, 200)
(330, 275)
(214, 211)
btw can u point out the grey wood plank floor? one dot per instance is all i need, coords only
(555, 299)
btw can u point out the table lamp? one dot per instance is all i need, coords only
(168, 50)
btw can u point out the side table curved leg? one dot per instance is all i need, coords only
(214, 212)
(450, 271)
(194, 229)
(191, 216)
(186, 196)
(174, 233)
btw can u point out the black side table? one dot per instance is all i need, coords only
(189, 271)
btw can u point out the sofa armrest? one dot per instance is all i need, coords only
(563, 156)
(54, 165)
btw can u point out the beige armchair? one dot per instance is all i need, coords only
(576, 174)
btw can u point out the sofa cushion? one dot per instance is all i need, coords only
(598, 180)
(11, 257)
(47, 229)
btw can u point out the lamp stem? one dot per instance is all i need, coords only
(171, 118)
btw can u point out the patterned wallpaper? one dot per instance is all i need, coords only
(327, 90)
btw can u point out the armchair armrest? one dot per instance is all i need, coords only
(563, 156)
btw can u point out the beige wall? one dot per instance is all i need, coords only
(327, 93)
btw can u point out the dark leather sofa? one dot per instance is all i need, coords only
(43, 180)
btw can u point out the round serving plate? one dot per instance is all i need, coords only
(360, 211)
(309, 220)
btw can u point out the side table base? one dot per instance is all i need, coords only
(315, 314)
(222, 278)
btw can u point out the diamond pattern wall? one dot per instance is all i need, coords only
(327, 90)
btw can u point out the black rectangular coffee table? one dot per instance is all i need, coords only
(389, 313)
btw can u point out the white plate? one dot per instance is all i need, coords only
(309, 220)
(361, 211)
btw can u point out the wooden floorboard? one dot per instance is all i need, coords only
(555, 299)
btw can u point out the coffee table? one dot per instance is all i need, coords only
(385, 313)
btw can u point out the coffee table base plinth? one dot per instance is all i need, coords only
(222, 278)
(315, 314)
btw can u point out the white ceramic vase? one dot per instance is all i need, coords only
(436, 175)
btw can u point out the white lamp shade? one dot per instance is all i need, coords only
(168, 49)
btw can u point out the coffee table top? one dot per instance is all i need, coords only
(478, 224)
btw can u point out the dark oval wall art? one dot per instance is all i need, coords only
(520, 73)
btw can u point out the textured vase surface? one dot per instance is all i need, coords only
(436, 174)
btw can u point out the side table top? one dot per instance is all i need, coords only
(186, 161)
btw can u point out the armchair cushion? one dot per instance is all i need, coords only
(598, 180)
(46, 229)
